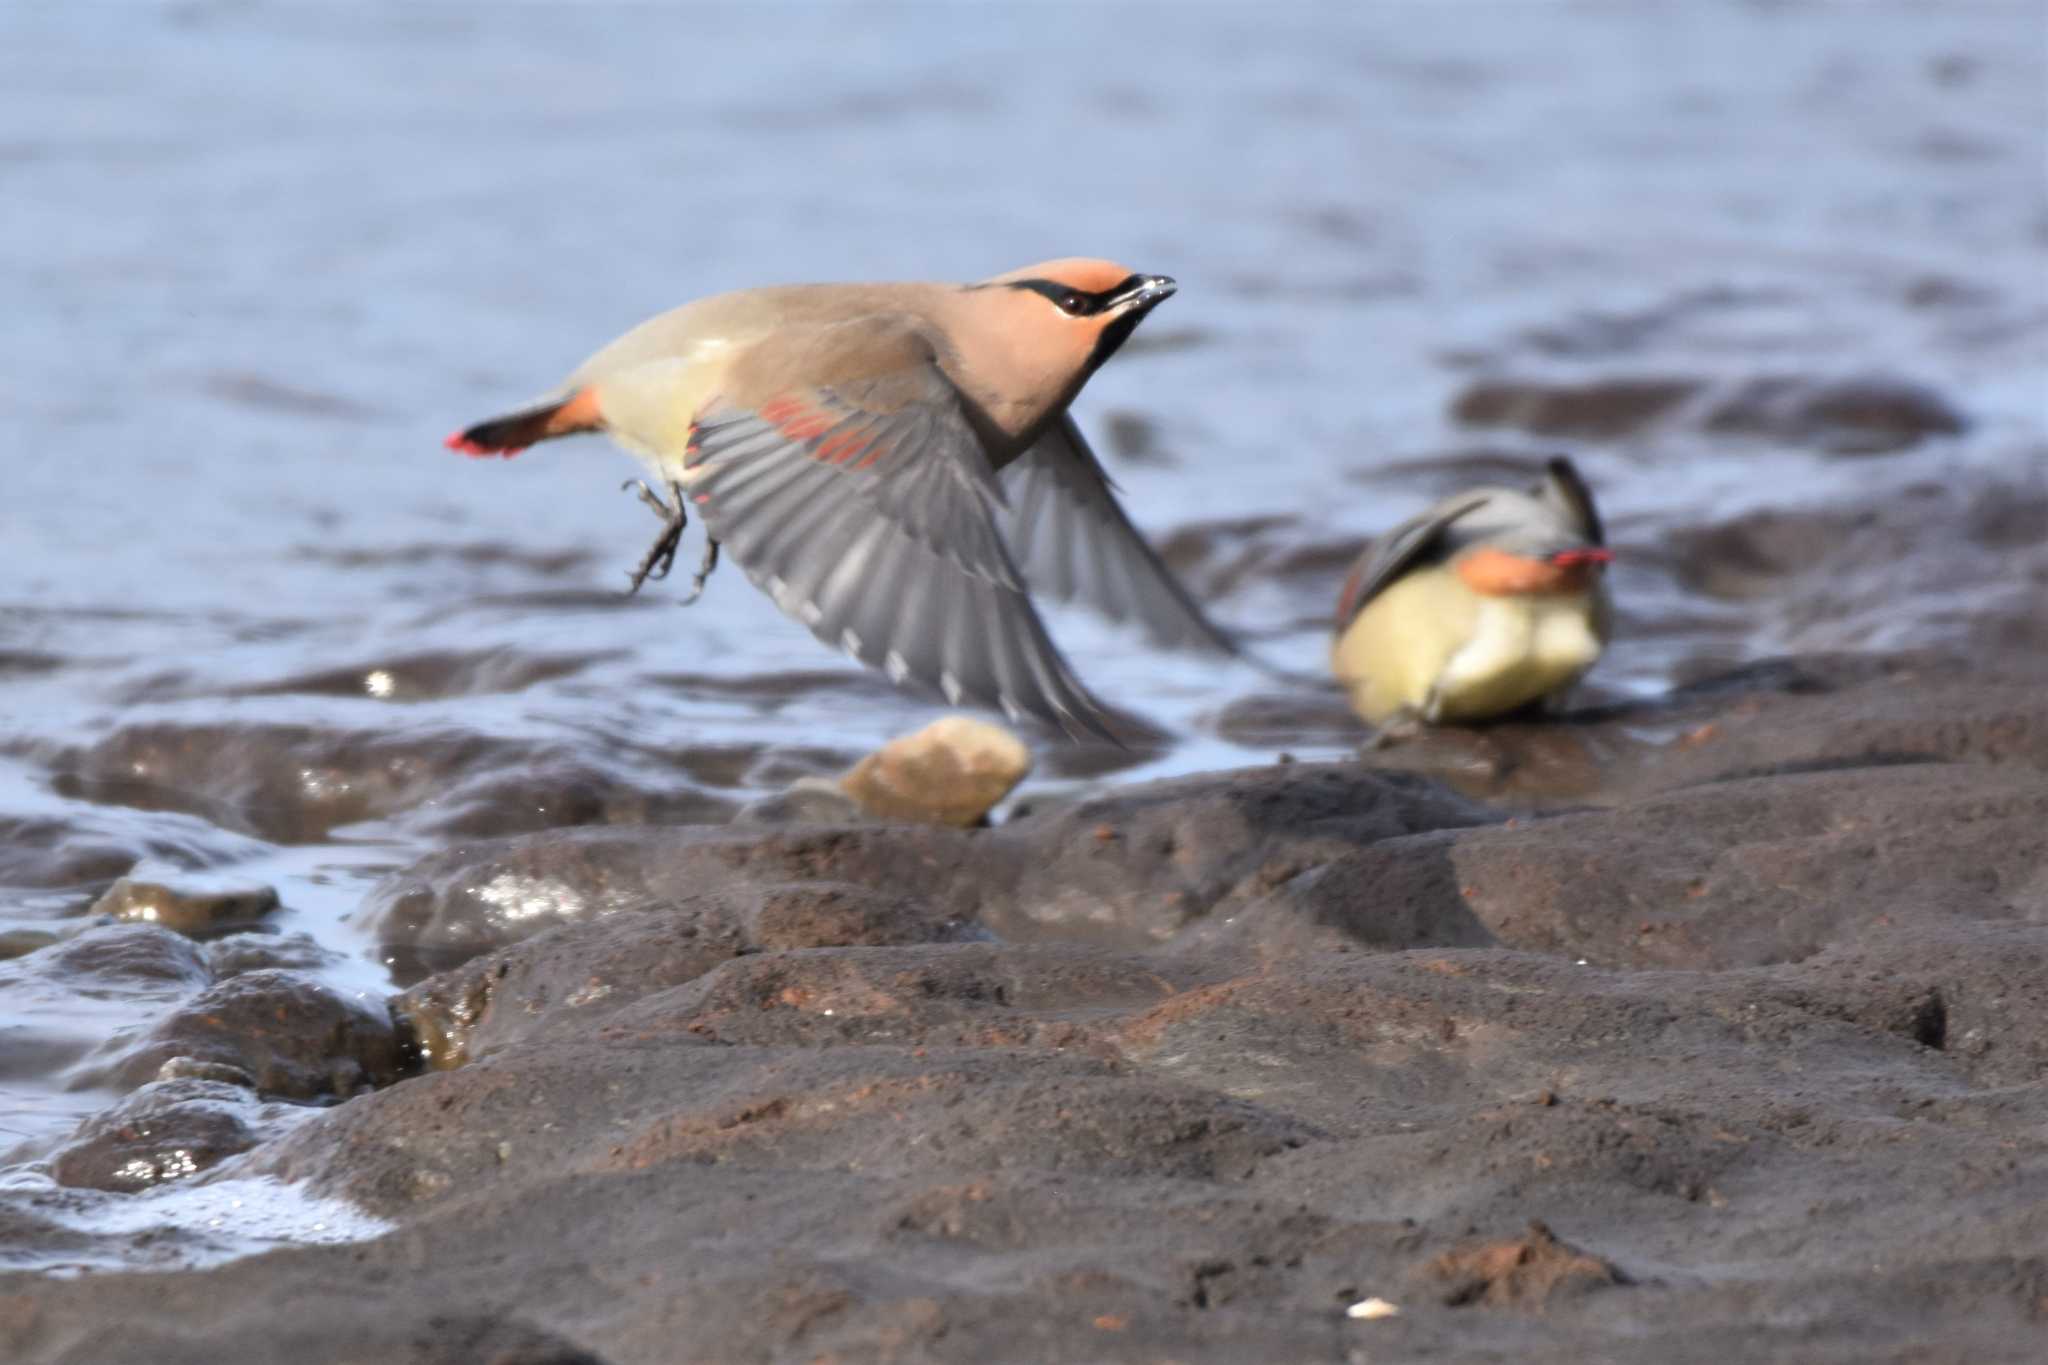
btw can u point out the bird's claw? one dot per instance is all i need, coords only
(703, 574)
(661, 557)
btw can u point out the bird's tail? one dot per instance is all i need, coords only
(515, 431)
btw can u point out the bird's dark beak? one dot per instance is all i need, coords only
(1140, 293)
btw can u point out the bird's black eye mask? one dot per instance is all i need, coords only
(1079, 303)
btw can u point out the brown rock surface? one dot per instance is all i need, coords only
(1778, 993)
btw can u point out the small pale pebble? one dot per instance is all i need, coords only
(952, 772)
(1368, 1310)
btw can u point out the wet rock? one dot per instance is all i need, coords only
(756, 766)
(472, 898)
(1862, 415)
(1524, 1272)
(435, 675)
(1914, 713)
(41, 852)
(1866, 414)
(1127, 868)
(557, 796)
(1739, 872)
(1935, 567)
(1134, 866)
(20, 942)
(134, 956)
(280, 1033)
(809, 801)
(165, 1131)
(285, 783)
(1299, 719)
(240, 953)
(88, 847)
(952, 772)
(195, 913)
(1601, 409)
(463, 1014)
(591, 969)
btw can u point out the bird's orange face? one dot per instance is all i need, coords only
(1078, 308)
(1493, 572)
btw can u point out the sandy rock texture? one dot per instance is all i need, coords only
(1737, 1053)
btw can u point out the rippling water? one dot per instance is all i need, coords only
(256, 626)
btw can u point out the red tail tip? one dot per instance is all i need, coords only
(460, 441)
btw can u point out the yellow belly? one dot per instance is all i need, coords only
(1430, 645)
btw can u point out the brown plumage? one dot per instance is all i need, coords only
(893, 463)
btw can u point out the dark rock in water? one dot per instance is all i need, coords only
(277, 1032)
(165, 1131)
(286, 783)
(48, 852)
(526, 797)
(1867, 415)
(1300, 719)
(88, 847)
(135, 955)
(436, 675)
(1600, 409)
(194, 913)
(240, 953)
(20, 942)
(809, 801)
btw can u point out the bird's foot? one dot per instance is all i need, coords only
(1399, 728)
(661, 557)
(703, 574)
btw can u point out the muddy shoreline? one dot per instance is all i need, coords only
(1740, 1056)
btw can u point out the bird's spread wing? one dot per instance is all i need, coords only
(861, 500)
(1075, 543)
(1563, 489)
(1400, 550)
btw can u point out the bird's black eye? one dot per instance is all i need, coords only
(1072, 302)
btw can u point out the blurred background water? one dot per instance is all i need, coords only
(257, 626)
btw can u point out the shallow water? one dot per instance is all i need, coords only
(257, 627)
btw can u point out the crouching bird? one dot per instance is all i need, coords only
(893, 464)
(1489, 601)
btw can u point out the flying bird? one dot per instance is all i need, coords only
(1491, 600)
(895, 465)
